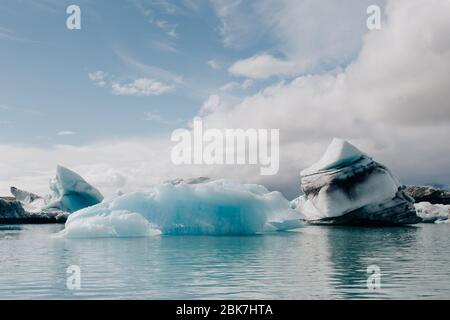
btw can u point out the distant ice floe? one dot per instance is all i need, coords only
(433, 213)
(69, 192)
(216, 207)
(347, 187)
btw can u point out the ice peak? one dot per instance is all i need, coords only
(338, 154)
(70, 192)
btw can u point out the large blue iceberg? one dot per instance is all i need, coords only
(213, 207)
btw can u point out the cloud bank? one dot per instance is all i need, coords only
(392, 101)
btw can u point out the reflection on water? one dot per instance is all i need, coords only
(311, 263)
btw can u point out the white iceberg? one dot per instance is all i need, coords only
(213, 207)
(432, 213)
(347, 187)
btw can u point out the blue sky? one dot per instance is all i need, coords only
(105, 99)
(45, 88)
(188, 45)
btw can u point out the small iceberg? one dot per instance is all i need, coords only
(428, 194)
(69, 192)
(217, 207)
(347, 187)
(432, 213)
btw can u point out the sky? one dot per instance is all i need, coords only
(104, 100)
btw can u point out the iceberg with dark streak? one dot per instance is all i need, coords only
(347, 187)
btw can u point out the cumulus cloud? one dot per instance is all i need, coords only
(310, 35)
(391, 101)
(213, 104)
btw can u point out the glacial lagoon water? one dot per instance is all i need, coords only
(315, 262)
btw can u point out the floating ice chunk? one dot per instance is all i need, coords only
(213, 207)
(23, 196)
(348, 187)
(339, 153)
(70, 192)
(428, 194)
(432, 212)
(119, 223)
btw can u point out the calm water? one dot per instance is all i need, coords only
(311, 263)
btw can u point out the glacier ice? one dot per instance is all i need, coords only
(432, 212)
(24, 196)
(347, 187)
(428, 194)
(69, 192)
(211, 207)
(340, 153)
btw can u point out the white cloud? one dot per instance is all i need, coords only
(239, 25)
(214, 64)
(230, 86)
(247, 84)
(141, 87)
(66, 133)
(213, 104)
(138, 87)
(392, 102)
(234, 85)
(98, 77)
(309, 35)
(263, 66)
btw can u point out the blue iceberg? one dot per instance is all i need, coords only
(69, 192)
(216, 207)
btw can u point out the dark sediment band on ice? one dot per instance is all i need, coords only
(32, 220)
(12, 212)
(346, 187)
(393, 213)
